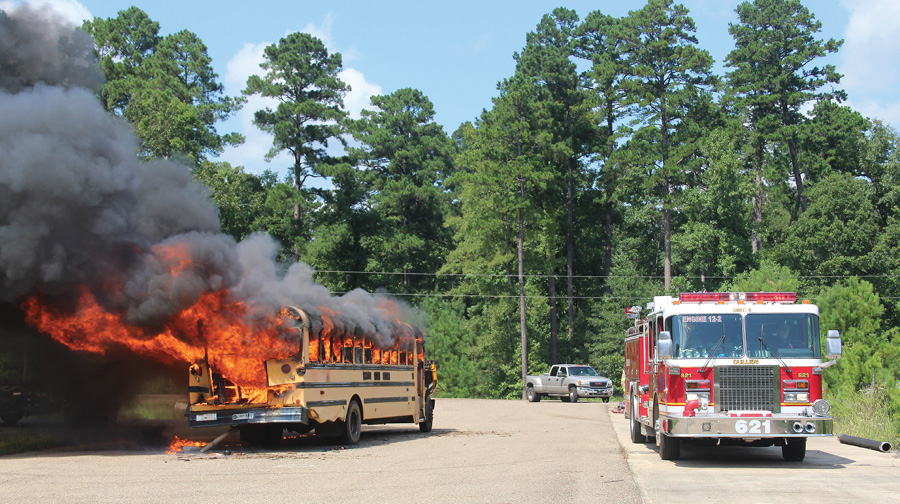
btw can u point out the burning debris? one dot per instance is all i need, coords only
(103, 251)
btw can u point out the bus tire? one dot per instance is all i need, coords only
(429, 415)
(531, 395)
(352, 425)
(573, 394)
(794, 449)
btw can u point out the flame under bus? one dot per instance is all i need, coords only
(337, 381)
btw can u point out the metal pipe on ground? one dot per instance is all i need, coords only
(880, 446)
(218, 440)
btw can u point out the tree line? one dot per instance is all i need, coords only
(613, 165)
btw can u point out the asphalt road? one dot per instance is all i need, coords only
(831, 473)
(479, 451)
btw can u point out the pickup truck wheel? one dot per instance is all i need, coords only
(606, 399)
(573, 394)
(636, 436)
(531, 395)
(794, 449)
(11, 417)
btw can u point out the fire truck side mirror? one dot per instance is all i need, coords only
(833, 345)
(665, 345)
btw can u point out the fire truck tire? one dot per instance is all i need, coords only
(352, 425)
(573, 394)
(636, 436)
(669, 447)
(429, 415)
(531, 395)
(794, 449)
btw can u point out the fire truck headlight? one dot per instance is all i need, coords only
(796, 397)
(704, 402)
(821, 407)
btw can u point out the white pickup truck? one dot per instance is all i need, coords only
(568, 382)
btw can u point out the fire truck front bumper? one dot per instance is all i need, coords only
(240, 416)
(747, 427)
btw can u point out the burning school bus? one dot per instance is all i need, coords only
(337, 381)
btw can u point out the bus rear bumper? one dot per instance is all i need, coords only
(241, 416)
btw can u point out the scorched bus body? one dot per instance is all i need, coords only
(334, 384)
(735, 368)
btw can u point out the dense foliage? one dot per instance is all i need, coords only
(613, 166)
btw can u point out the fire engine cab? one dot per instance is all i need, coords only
(728, 368)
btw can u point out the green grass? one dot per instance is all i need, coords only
(153, 408)
(13, 440)
(866, 414)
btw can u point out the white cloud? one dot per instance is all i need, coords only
(870, 77)
(245, 63)
(70, 10)
(361, 91)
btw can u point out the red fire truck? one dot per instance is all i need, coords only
(727, 368)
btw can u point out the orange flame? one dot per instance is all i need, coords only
(214, 322)
(178, 443)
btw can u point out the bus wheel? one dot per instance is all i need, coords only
(531, 395)
(429, 415)
(794, 449)
(573, 394)
(352, 425)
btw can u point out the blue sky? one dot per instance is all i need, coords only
(456, 52)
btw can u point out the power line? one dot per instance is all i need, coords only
(532, 275)
(533, 296)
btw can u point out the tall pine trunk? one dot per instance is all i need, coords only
(521, 252)
(554, 319)
(570, 246)
(755, 239)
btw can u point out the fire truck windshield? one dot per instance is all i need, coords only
(698, 336)
(788, 335)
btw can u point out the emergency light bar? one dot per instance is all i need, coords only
(724, 297)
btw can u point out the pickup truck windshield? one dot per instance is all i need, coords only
(582, 371)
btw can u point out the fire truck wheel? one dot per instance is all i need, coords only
(352, 425)
(531, 395)
(573, 394)
(429, 415)
(636, 436)
(794, 449)
(669, 447)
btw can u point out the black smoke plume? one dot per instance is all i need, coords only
(78, 210)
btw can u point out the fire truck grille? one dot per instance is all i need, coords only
(745, 388)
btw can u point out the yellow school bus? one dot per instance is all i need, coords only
(337, 381)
